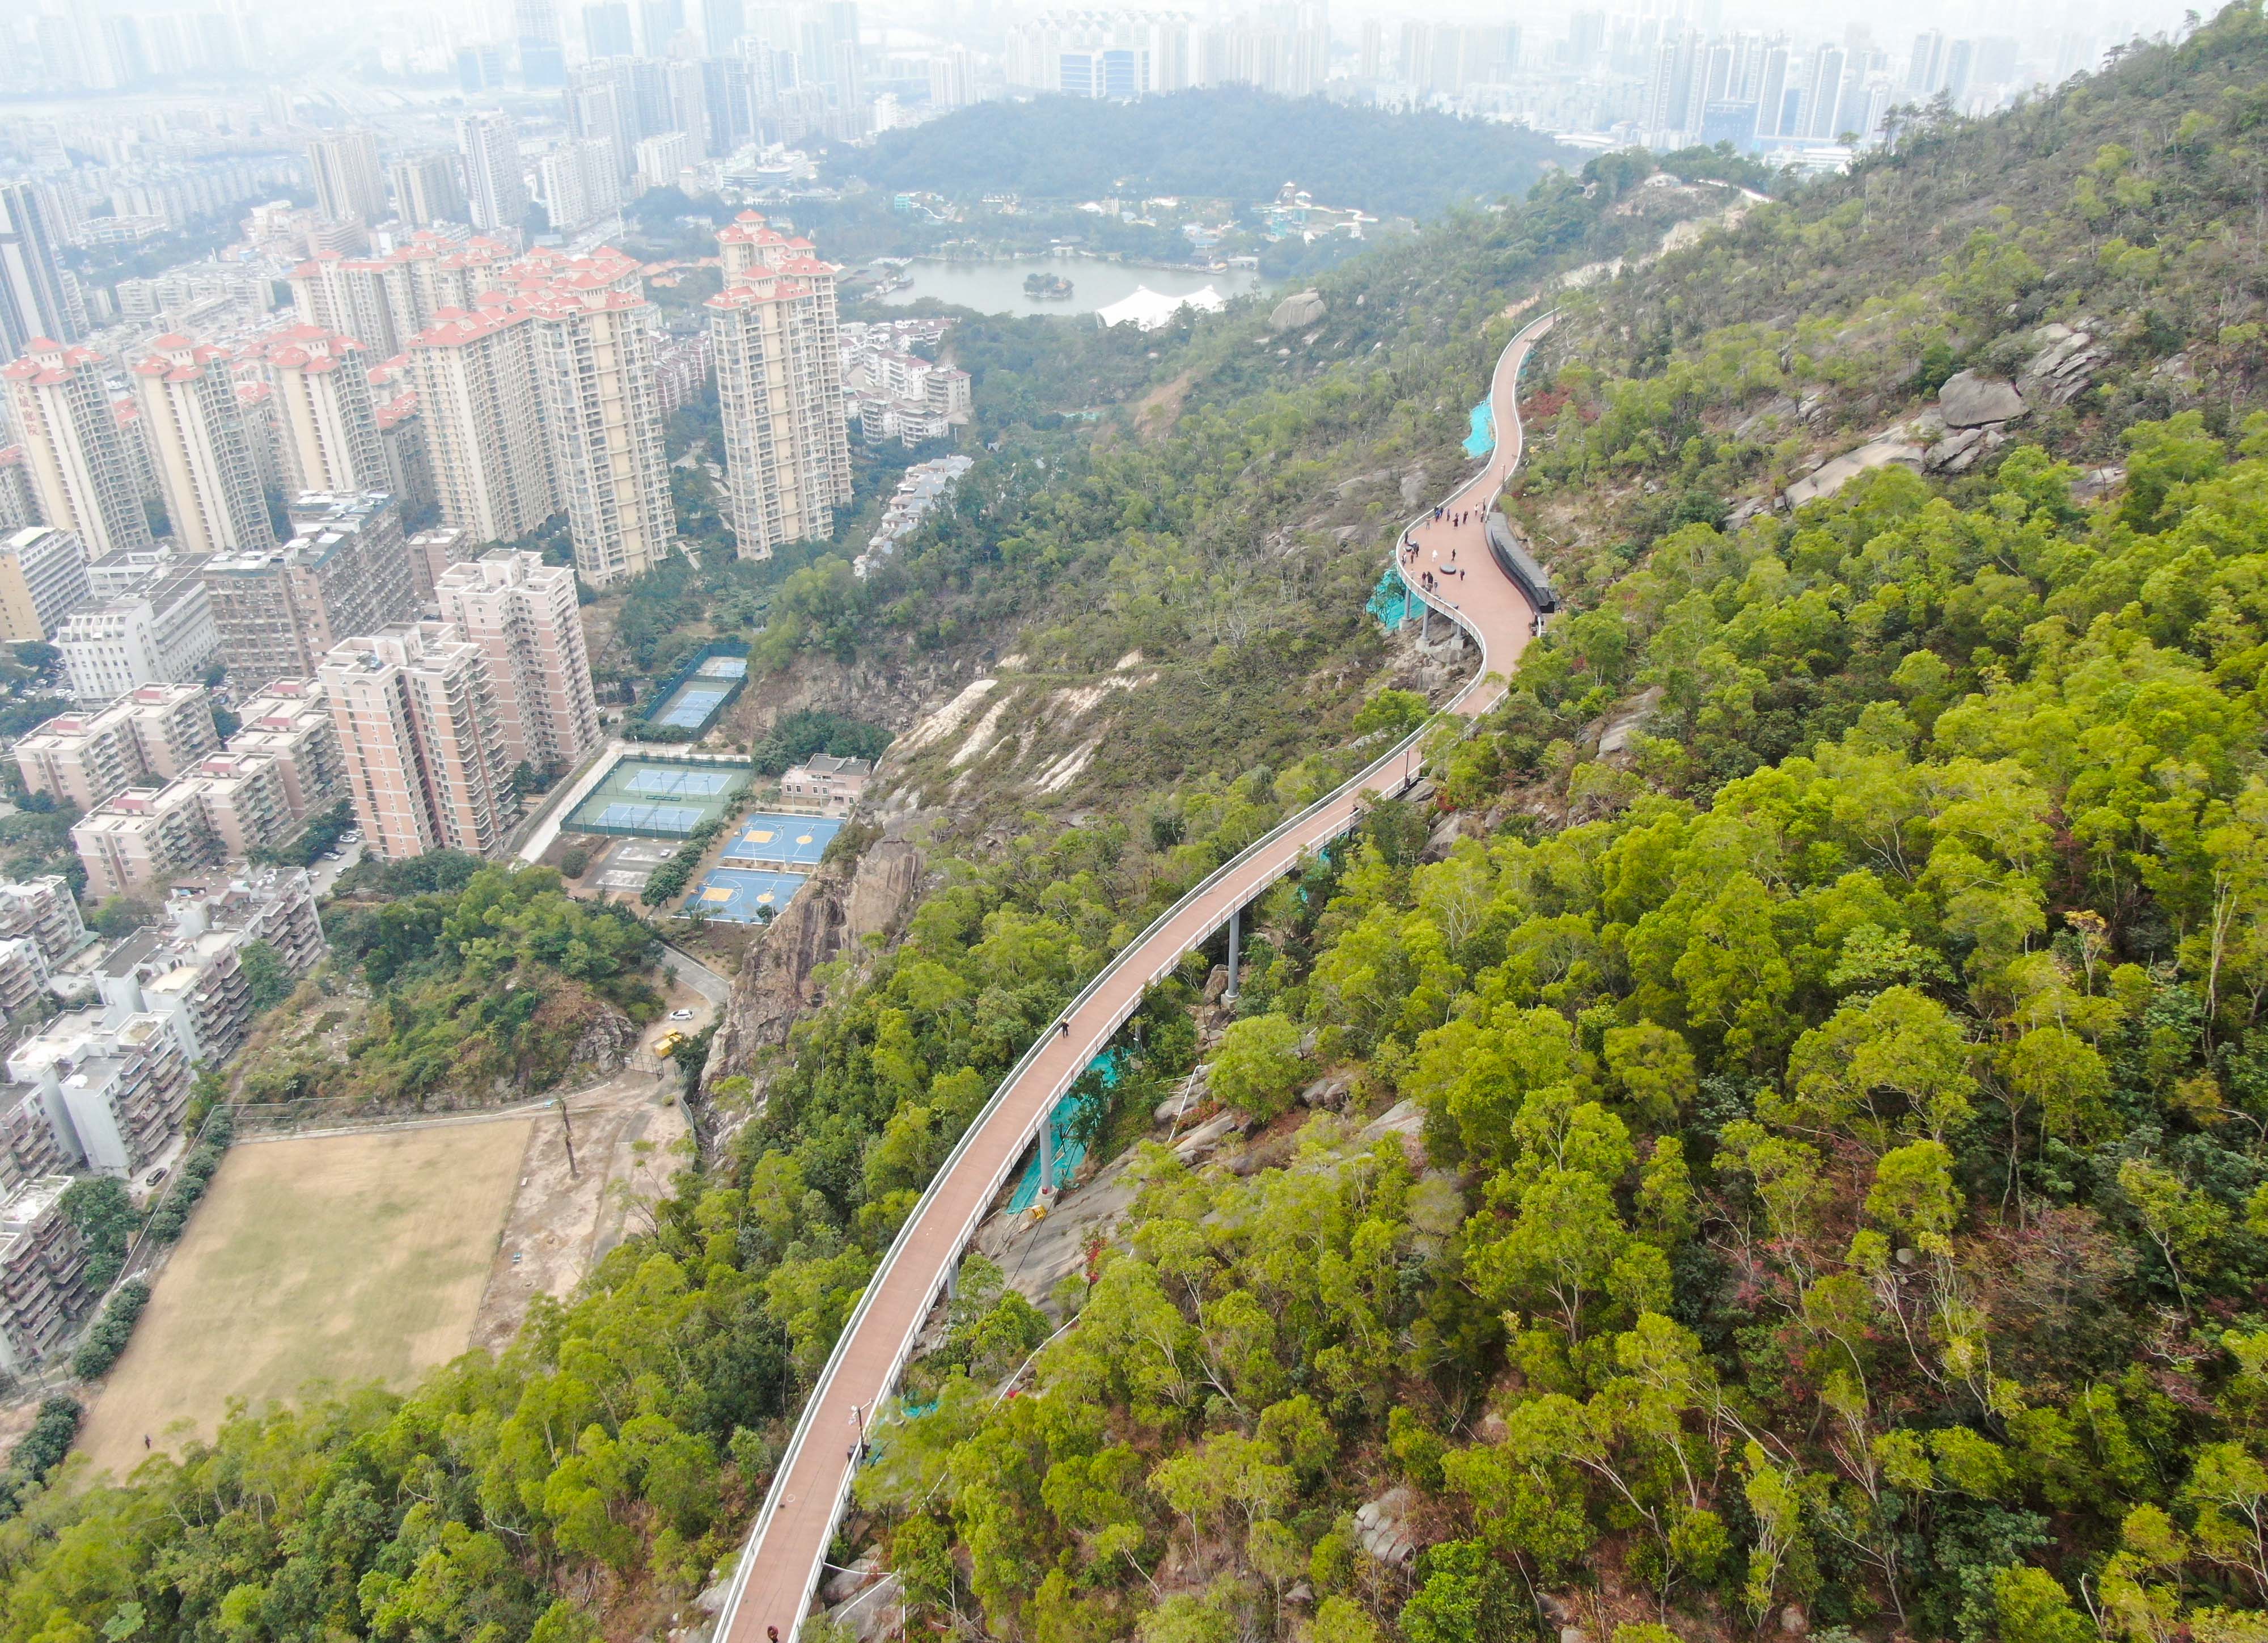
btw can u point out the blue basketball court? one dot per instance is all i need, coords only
(743, 895)
(789, 840)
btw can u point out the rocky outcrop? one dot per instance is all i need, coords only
(873, 1613)
(1628, 720)
(1301, 309)
(1969, 401)
(2066, 362)
(775, 985)
(1382, 1527)
(883, 890)
(605, 1042)
(1892, 445)
(1958, 451)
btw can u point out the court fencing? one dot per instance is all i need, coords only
(709, 681)
(655, 795)
(347, 1115)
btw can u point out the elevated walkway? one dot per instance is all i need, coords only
(787, 1544)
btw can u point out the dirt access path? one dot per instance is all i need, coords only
(625, 1135)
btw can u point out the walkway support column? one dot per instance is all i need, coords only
(1047, 1152)
(1235, 930)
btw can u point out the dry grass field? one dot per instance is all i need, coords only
(336, 1259)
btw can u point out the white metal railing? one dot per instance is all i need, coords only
(1131, 954)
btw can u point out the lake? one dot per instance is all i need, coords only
(997, 287)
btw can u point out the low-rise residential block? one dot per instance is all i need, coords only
(826, 780)
(153, 734)
(290, 723)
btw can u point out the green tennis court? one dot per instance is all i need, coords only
(651, 796)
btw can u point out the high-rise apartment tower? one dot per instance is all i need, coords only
(73, 447)
(779, 382)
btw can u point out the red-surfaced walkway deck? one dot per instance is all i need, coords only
(781, 1564)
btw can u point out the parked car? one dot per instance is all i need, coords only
(681, 1015)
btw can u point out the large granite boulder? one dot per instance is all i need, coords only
(1969, 401)
(1301, 309)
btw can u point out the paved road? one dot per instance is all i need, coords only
(788, 1542)
(558, 803)
(325, 874)
(696, 975)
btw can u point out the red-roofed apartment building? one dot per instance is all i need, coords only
(779, 383)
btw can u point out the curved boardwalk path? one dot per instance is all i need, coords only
(781, 1565)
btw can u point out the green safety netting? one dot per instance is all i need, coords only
(1066, 1149)
(1389, 602)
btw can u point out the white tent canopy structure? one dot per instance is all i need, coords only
(1147, 309)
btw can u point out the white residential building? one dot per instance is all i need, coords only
(496, 188)
(164, 634)
(579, 184)
(42, 580)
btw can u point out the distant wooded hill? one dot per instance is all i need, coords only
(1234, 144)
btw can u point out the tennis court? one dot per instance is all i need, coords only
(651, 796)
(668, 821)
(693, 705)
(724, 668)
(743, 895)
(701, 783)
(790, 841)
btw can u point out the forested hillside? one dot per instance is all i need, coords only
(1802, 1167)
(2100, 250)
(1839, 1202)
(1229, 143)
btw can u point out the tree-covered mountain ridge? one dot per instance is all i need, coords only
(2099, 249)
(1228, 143)
(1840, 1202)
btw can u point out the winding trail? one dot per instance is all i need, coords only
(782, 1563)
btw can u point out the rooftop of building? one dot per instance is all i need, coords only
(65, 727)
(828, 764)
(26, 1206)
(162, 592)
(129, 809)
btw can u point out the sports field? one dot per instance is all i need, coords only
(700, 698)
(783, 841)
(647, 797)
(339, 1258)
(741, 895)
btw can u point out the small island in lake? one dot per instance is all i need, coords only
(1051, 287)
